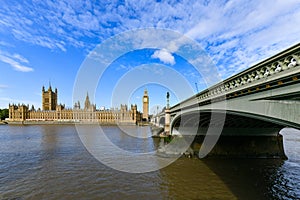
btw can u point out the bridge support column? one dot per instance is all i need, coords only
(244, 146)
(167, 121)
(167, 116)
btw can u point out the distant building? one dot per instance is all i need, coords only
(49, 99)
(145, 106)
(102, 108)
(53, 112)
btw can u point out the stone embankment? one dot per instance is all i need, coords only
(49, 122)
(156, 131)
(3, 122)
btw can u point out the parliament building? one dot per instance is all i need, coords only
(53, 112)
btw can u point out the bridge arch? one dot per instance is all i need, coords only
(242, 134)
(162, 121)
(227, 119)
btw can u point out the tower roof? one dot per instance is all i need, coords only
(87, 102)
(50, 88)
(87, 98)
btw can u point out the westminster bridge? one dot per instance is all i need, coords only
(245, 112)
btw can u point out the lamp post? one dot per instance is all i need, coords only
(168, 100)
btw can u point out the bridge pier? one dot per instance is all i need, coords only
(167, 121)
(244, 146)
(167, 116)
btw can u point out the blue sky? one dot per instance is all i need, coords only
(42, 41)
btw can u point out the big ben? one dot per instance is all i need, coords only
(145, 105)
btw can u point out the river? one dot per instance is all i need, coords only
(50, 162)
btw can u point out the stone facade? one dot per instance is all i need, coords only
(146, 106)
(49, 99)
(54, 112)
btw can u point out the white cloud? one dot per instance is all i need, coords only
(3, 86)
(124, 67)
(15, 61)
(20, 58)
(5, 44)
(224, 28)
(164, 56)
(240, 34)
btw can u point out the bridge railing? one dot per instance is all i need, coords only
(282, 64)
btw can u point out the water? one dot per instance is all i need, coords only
(50, 162)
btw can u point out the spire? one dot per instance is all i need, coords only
(87, 102)
(50, 85)
(78, 104)
(87, 98)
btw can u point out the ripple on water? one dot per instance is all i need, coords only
(50, 162)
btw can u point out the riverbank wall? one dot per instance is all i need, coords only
(32, 122)
(156, 131)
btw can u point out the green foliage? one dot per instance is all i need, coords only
(3, 113)
(168, 139)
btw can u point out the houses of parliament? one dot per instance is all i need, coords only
(53, 112)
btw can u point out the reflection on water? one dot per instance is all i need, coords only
(50, 162)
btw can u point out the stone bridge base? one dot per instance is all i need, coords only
(244, 147)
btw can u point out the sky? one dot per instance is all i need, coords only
(49, 42)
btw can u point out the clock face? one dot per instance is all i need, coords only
(145, 99)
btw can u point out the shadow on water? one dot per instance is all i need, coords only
(248, 178)
(263, 178)
(220, 178)
(238, 178)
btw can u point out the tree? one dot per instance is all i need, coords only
(3, 113)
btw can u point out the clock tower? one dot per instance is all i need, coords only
(145, 105)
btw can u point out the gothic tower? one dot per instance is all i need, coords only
(145, 105)
(87, 103)
(49, 98)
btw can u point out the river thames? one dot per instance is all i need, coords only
(50, 162)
